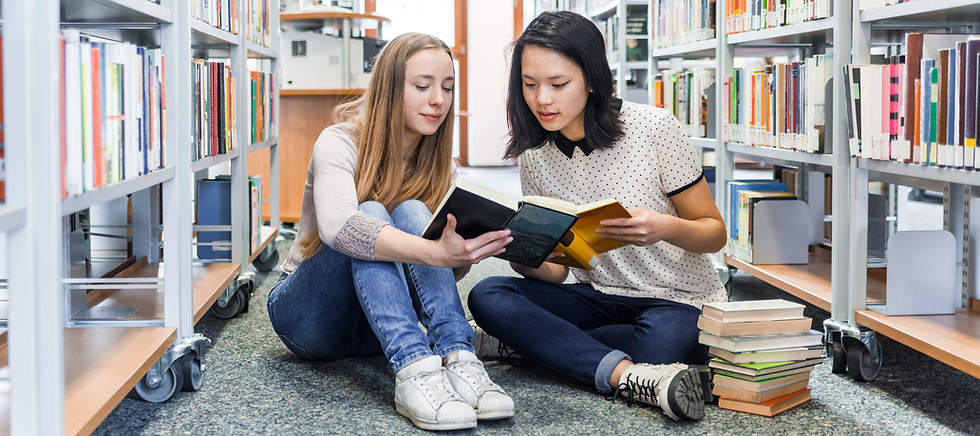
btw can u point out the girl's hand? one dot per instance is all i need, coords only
(646, 227)
(455, 252)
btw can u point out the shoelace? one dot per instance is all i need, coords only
(476, 372)
(437, 387)
(634, 389)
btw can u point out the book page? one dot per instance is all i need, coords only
(551, 203)
(485, 192)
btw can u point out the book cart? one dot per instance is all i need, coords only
(80, 336)
(953, 339)
(839, 280)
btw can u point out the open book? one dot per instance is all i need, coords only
(539, 225)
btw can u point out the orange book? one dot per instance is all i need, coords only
(771, 407)
(658, 93)
(757, 397)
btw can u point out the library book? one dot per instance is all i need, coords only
(539, 225)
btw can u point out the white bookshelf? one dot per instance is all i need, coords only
(624, 71)
(65, 379)
(839, 280)
(953, 339)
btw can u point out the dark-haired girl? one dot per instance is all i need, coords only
(630, 324)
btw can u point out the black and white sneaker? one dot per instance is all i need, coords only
(675, 388)
(488, 347)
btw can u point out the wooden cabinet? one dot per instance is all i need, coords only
(303, 114)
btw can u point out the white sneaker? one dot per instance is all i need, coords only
(425, 397)
(470, 379)
(675, 388)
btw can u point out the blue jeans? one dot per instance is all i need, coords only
(333, 306)
(580, 332)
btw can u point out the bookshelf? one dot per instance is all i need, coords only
(731, 41)
(66, 372)
(955, 338)
(839, 280)
(305, 112)
(625, 24)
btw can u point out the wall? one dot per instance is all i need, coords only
(490, 25)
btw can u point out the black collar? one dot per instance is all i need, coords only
(567, 146)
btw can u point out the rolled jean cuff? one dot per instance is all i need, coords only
(397, 366)
(605, 370)
(446, 352)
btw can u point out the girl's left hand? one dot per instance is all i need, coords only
(646, 227)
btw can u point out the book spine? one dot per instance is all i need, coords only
(970, 104)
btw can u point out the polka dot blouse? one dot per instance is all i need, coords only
(652, 161)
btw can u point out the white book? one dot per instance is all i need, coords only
(88, 163)
(738, 344)
(73, 113)
(114, 148)
(870, 110)
(753, 310)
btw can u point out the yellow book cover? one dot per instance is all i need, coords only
(582, 245)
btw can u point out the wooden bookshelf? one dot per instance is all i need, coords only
(951, 339)
(811, 281)
(344, 92)
(102, 365)
(268, 235)
(210, 280)
(317, 17)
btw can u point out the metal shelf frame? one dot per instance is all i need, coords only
(32, 216)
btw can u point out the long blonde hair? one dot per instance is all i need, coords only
(380, 120)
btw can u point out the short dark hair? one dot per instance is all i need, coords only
(578, 39)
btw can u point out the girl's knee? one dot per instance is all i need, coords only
(411, 216)
(413, 206)
(486, 291)
(375, 209)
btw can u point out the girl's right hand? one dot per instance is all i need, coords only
(456, 252)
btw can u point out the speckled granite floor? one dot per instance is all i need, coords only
(254, 385)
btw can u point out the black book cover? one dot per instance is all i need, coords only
(536, 229)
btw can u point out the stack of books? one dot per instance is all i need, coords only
(763, 352)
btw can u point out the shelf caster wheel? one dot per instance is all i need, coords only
(266, 263)
(164, 388)
(863, 364)
(190, 366)
(838, 357)
(231, 308)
